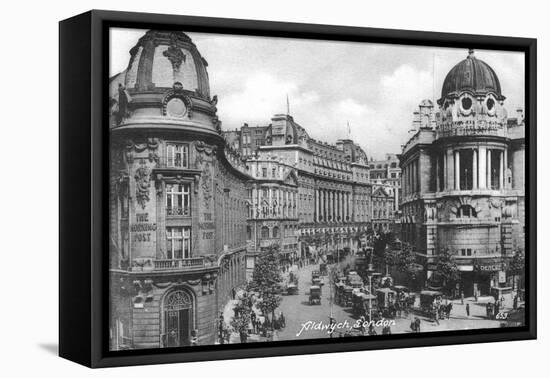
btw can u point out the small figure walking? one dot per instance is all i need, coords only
(468, 309)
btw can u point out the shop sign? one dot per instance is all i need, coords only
(491, 267)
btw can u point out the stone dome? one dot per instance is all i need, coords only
(162, 58)
(471, 75)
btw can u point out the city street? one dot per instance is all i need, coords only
(298, 312)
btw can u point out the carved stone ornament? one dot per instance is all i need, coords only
(496, 203)
(206, 185)
(200, 146)
(143, 183)
(174, 53)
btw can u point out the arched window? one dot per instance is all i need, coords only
(466, 211)
(275, 232)
(265, 232)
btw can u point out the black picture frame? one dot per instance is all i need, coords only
(83, 228)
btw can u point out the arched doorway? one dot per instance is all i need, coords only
(178, 318)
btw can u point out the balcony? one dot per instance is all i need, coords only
(176, 211)
(178, 264)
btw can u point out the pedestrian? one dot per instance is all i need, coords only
(467, 309)
(372, 331)
(417, 324)
(233, 293)
(516, 302)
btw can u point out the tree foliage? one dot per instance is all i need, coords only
(406, 262)
(447, 273)
(517, 264)
(266, 278)
(241, 321)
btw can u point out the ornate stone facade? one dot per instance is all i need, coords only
(463, 180)
(178, 200)
(333, 199)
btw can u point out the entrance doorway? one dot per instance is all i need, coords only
(178, 319)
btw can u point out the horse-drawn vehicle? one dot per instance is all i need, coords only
(347, 298)
(323, 269)
(339, 292)
(405, 299)
(386, 301)
(429, 301)
(315, 295)
(354, 280)
(362, 302)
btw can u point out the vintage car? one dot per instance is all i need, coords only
(316, 278)
(315, 295)
(291, 289)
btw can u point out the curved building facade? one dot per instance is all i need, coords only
(463, 181)
(178, 200)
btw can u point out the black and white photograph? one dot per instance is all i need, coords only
(266, 189)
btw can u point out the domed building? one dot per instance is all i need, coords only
(178, 200)
(463, 182)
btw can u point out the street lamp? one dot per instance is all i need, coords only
(371, 273)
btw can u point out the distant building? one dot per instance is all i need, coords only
(384, 207)
(332, 185)
(463, 175)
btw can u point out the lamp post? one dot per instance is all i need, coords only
(371, 273)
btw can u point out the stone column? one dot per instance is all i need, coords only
(346, 206)
(474, 168)
(341, 206)
(329, 197)
(316, 208)
(444, 161)
(325, 206)
(437, 168)
(450, 169)
(482, 167)
(457, 170)
(334, 206)
(501, 171)
(489, 184)
(505, 167)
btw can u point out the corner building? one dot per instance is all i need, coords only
(177, 200)
(463, 180)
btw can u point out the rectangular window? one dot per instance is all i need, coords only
(264, 172)
(177, 155)
(178, 200)
(178, 243)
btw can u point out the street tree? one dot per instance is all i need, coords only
(447, 272)
(266, 279)
(240, 323)
(516, 266)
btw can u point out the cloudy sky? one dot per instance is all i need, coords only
(374, 87)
